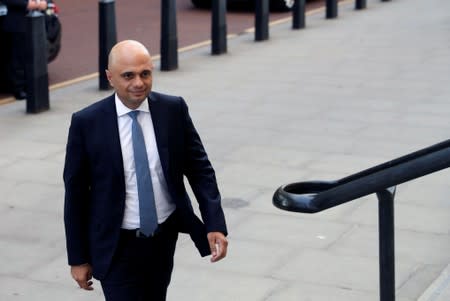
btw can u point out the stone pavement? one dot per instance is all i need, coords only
(320, 103)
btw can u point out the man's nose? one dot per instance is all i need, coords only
(138, 82)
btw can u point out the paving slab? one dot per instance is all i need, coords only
(321, 103)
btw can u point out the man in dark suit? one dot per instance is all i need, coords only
(14, 25)
(105, 178)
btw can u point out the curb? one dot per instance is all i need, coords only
(10, 99)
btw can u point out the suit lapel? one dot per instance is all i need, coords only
(160, 119)
(112, 137)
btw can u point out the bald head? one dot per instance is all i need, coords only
(129, 72)
(126, 49)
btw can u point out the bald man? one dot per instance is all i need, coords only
(104, 191)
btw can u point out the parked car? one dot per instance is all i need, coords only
(53, 28)
(277, 5)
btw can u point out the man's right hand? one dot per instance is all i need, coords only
(82, 274)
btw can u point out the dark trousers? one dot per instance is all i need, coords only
(141, 268)
(17, 62)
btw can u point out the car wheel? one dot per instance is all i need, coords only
(53, 48)
(54, 30)
(202, 3)
(281, 5)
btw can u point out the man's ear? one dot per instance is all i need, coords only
(109, 76)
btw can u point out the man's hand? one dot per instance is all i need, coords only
(218, 245)
(42, 5)
(82, 274)
(32, 5)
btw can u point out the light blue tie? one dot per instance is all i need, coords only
(147, 209)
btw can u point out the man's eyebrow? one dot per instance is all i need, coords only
(127, 73)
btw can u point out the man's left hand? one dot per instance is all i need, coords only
(218, 244)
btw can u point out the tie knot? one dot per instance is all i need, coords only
(133, 114)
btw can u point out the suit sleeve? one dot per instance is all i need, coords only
(76, 201)
(201, 177)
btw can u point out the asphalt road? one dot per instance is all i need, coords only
(140, 20)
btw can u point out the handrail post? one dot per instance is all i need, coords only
(219, 27)
(107, 38)
(386, 243)
(298, 14)
(169, 40)
(332, 9)
(36, 72)
(261, 20)
(360, 4)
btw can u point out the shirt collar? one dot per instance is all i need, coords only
(123, 110)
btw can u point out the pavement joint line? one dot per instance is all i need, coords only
(437, 287)
(82, 78)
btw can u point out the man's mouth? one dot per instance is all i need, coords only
(138, 92)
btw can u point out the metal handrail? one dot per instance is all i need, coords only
(315, 196)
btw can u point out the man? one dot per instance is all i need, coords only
(109, 210)
(15, 25)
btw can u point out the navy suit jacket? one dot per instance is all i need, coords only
(95, 185)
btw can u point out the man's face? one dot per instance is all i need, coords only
(131, 76)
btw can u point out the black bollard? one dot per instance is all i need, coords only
(107, 38)
(36, 74)
(332, 9)
(360, 4)
(219, 27)
(261, 20)
(169, 40)
(298, 14)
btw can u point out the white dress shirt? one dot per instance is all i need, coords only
(164, 205)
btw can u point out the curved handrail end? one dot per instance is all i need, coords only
(299, 197)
